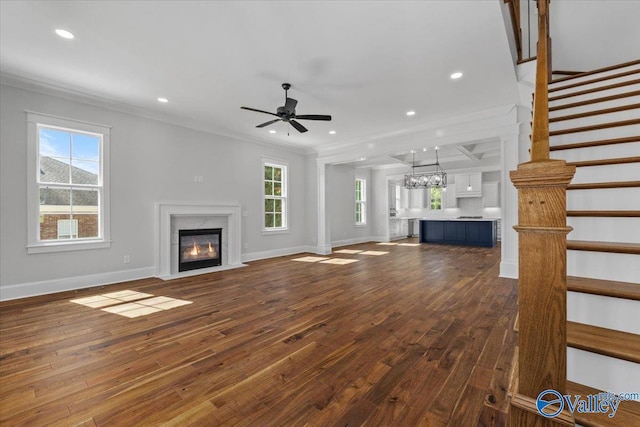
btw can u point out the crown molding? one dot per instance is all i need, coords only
(37, 86)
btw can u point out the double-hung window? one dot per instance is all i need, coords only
(68, 185)
(275, 196)
(361, 201)
(435, 198)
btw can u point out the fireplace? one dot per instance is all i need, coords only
(199, 248)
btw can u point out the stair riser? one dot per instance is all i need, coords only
(593, 135)
(603, 198)
(594, 76)
(582, 87)
(592, 95)
(623, 230)
(601, 265)
(629, 149)
(607, 173)
(596, 106)
(602, 372)
(605, 312)
(617, 116)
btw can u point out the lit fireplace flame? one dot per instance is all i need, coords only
(194, 251)
(210, 248)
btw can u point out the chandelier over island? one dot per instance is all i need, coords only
(435, 178)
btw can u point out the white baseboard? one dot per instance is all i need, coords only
(254, 256)
(25, 290)
(353, 241)
(509, 270)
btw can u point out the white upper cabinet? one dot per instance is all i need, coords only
(490, 195)
(419, 198)
(469, 184)
(450, 199)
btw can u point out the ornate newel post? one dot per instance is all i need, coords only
(542, 288)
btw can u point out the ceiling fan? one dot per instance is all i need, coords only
(287, 113)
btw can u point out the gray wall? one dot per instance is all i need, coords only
(151, 161)
(341, 204)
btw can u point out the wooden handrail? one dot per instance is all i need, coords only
(540, 127)
(514, 12)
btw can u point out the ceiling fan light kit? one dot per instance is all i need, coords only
(287, 113)
(416, 180)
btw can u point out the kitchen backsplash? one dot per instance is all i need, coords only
(472, 206)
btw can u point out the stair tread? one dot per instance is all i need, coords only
(595, 127)
(628, 413)
(599, 70)
(605, 213)
(596, 143)
(594, 80)
(595, 246)
(602, 162)
(601, 287)
(595, 100)
(595, 112)
(608, 342)
(610, 184)
(597, 89)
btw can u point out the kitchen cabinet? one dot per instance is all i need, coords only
(418, 197)
(463, 180)
(394, 228)
(404, 198)
(459, 232)
(414, 199)
(404, 227)
(490, 195)
(450, 199)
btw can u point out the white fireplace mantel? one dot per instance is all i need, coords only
(166, 212)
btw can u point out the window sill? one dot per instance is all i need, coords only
(41, 248)
(267, 232)
(361, 225)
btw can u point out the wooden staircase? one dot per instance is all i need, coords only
(594, 125)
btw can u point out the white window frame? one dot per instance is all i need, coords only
(362, 203)
(284, 197)
(34, 245)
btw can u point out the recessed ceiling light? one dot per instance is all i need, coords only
(272, 131)
(332, 132)
(456, 75)
(163, 100)
(424, 149)
(411, 113)
(362, 159)
(64, 33)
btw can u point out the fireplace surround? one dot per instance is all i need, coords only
(172, 217)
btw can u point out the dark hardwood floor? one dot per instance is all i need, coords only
(420, 336)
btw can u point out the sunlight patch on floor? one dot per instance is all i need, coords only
(121, 303)
(386, 244)
(310, 259)
(339, 261)
(347, 251)
(373, 253)
(408, 244)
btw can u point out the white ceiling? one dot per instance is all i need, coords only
(364, 62)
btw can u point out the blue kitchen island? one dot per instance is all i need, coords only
(470, 232)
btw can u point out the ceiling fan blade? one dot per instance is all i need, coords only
(314, 117)
(270, 122)
(290, 105)
(259, 111)
(298, 126)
